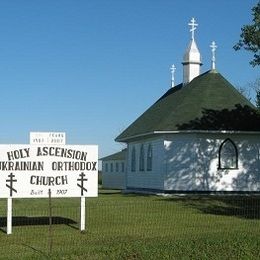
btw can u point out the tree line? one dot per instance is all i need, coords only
(250, 41)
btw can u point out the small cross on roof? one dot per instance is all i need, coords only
(213, 47)
(193, 25)
(173, 68)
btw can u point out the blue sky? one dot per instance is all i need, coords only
(91, 67)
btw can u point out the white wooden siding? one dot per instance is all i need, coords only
(192, 163)
(113, 180)
(181, 162)
(146, 179)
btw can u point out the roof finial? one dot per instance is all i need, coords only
(193, 25)
(213, 47)
(173, 68)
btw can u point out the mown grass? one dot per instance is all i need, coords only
(135, 227)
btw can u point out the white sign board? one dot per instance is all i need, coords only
(48, 138)
(29, 171)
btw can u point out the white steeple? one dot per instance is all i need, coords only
(191, 59)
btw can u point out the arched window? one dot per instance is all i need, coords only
(149, 158)
(141, 159)
(228, 155)
(133, 160)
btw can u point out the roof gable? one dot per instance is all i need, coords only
(181, 105)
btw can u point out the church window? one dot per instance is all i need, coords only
(123, 166)
(117, 167)
(149, 158)
(228, 155)
(106, 167)
(141, 158)
(133, 160)
(111, 167)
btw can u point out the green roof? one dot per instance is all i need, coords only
(119, 156)
(206, 103)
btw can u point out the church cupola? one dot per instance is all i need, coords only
(191, 59)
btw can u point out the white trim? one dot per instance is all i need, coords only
(207, 131)
(189, 132)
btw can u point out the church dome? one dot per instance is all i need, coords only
(192, 54)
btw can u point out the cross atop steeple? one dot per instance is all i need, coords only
(173, 68)
(213, 47)
(193, 25)
(191, 59)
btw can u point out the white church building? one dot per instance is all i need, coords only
(200, 136)
(114, 170)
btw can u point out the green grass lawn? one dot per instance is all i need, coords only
(134, 227)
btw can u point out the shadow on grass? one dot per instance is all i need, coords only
(247, 207)
(30, 221)
(109, 192)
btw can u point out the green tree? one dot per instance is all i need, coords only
(255, 85)
(250, 36)
(257, 101)
(245, 91)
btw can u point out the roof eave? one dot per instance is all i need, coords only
(129, 138)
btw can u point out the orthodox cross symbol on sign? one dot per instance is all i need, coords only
(81, 185)
(10, 185)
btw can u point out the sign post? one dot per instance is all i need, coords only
(10, 180)
(50, 223)
(9, 216)
(82, 200)
(82, 214)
